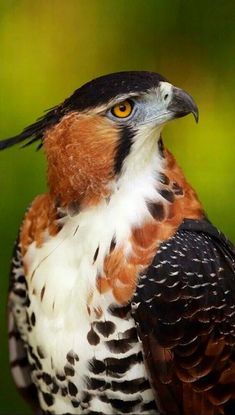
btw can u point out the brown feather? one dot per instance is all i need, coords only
(80, 150)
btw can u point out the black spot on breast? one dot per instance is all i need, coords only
(60, 377)
(117, 311)
(32, 367)
(27, 318)
(22, 362)
(124, 406)
(55, 387)
(116, 367)
(86, 398)
(48, 398)
(93, 337)
(40, 353)
(27, 301)
(112, 245)
(33, 319)
(59, 226)
(104, 398)
(60, 211)
(71, 357)
(60, 214)
(69, 371)
(97, 366)
(64, 391)
(163, 178)
(130, 334)
(177, 189)
(118, 346)
(131, 386)
(106, 328)
(21, 279)
(96, 254)
(156, 210)
(20, 292)
(72, 389)
(42, 292)
(95, 384)
(161, 147)
(34, 358)
(167, 194)
(47, 378)
(74, 208)
(75, 403)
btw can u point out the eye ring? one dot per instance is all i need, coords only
(123, 109)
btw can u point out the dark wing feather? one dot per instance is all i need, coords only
(18, 301)
(184, 307)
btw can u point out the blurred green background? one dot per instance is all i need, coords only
(49, 48)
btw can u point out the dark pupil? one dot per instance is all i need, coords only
(122, 108)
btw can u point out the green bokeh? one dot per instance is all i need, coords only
(49, 48)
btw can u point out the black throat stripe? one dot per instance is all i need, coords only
(123, 147)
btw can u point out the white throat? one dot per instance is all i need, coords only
(144, 155)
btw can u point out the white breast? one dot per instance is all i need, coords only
(64, 264)
(62, 275)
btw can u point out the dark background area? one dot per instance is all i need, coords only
(49, 48)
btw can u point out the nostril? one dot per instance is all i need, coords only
(165, 97)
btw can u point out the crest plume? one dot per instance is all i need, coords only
(33, 132)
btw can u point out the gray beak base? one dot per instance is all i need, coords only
(182, 104)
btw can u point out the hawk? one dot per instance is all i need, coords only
(122, 293)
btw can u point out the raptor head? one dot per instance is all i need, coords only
(107, 128)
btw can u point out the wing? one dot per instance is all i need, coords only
(17, 320)
(184, 307)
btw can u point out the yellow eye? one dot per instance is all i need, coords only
(122, 109)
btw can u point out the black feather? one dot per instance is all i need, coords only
(35, 131)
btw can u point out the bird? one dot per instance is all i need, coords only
(122, 292)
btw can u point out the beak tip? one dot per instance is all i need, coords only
(196, 116)
(182, 104)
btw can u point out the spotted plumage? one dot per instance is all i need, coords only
(122, 293)
(107, 381)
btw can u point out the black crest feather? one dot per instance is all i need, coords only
(33, 132)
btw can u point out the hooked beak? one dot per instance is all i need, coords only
(182, 104)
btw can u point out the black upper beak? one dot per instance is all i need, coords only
(182, 104)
